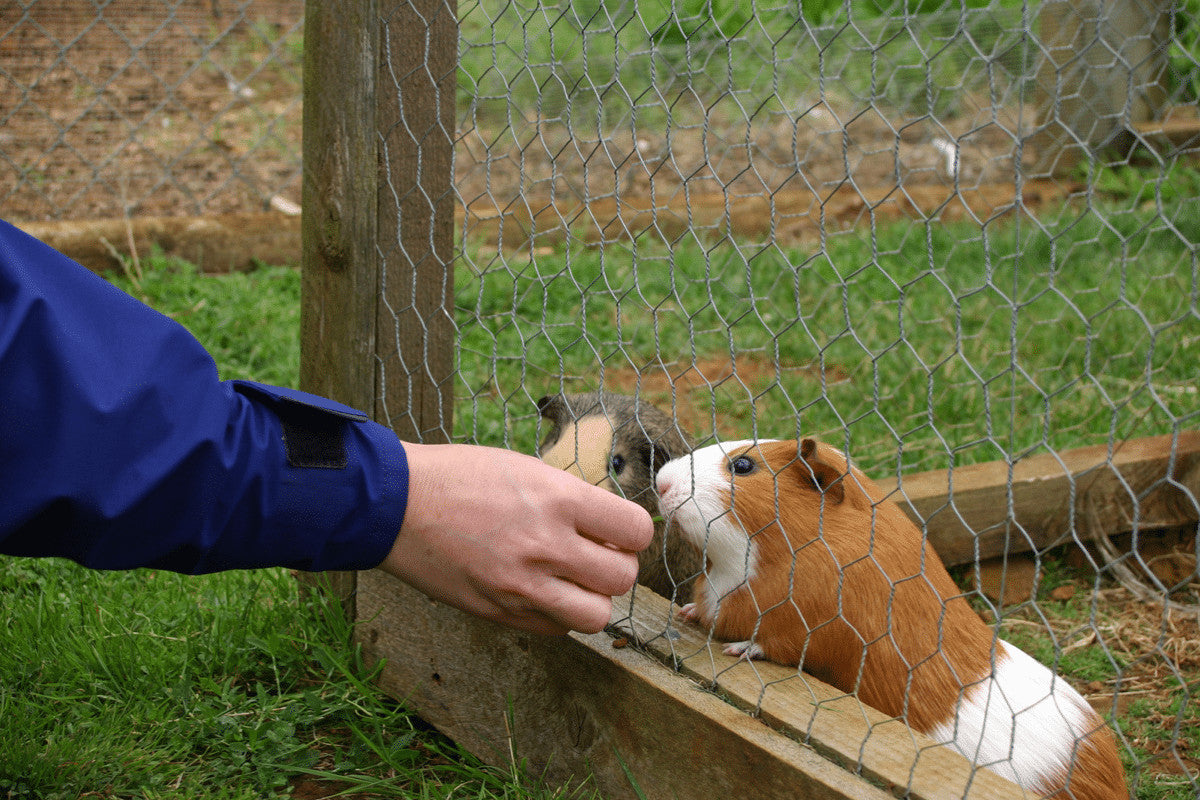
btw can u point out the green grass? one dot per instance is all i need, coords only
(581, 60)
(152, 684)
(1171, 736)
(148, 684)
(587, 60)
(915, 346)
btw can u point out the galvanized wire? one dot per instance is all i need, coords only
(931, 235)
(148, 107)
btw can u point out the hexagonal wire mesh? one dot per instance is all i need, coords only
(148, 107)
(935, 237)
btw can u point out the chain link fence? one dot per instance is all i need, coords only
(112, 108)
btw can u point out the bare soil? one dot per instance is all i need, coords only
(137, 112)
(143, 110)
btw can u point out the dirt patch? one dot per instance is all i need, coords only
(148, 110)
(694, 390)
(197, 111)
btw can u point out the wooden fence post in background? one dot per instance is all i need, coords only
(1103, 69)
(377, 328)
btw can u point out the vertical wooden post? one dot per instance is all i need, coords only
(417, 80)
(1103, 69)
(340, 283)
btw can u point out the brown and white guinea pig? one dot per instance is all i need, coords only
(619, 442)
(810, 565)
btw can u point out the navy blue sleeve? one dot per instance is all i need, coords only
(121, 448)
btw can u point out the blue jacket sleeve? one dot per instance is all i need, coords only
(121, 448)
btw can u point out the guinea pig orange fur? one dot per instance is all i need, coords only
(809, 564)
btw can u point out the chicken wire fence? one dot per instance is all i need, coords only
(112, 108)
(937, 236)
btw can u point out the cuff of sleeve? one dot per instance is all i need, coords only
(382, 502)
(345, 514)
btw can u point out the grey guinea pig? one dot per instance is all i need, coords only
(619, 442)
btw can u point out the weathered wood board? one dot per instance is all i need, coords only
(986, 510)
(882, 749)
(228, 242)
(214, 243)
(1169, 136)
(574, 706)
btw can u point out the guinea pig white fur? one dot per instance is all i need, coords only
(810, 565)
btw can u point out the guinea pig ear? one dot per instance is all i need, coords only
(825, 477)
(659, 456)
(551, 407)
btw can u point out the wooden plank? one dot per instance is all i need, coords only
(983, 510)
(836, 725)
(340, 275)
(214, 243)
(788, 215)
(1169, 136)
(417, 80)
(576, 706)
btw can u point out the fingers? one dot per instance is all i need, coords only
(605, 517)
(559, 607)
(591, 615)
(601, 569)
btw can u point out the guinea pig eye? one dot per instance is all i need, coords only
(617, 464)
(742, 465)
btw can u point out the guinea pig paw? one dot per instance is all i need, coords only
(688, 613)
(747, 650)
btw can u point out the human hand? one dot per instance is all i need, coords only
(509, 538)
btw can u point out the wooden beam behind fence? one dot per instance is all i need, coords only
(214, 243)
(987, 510)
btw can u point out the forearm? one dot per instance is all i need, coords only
(119, 446)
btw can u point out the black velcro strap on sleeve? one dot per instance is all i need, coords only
(313, 438)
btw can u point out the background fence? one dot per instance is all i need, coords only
(935, 235)
(148, 108)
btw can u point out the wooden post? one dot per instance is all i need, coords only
(377, 328)
(987, 510)
(1103, 69)
(340, 283)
